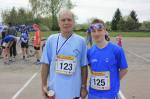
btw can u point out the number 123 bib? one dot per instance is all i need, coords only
(65, 64)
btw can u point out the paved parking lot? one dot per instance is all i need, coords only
(21, 80)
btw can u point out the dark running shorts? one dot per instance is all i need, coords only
(24, 45)
(36, 48)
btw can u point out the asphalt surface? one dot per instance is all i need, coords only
(135, 85)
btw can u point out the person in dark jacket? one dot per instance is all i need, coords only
(12, 31)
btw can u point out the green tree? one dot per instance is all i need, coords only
(133, 15)
(130, 24)
(69, 4)
(13, 14)
(49, 8)
(47, 21)
(20, 16)
(127, 24)
(116, 19)
(10, 15)
(108, 25)
(145, 26)
(136, 24)
(121, 25)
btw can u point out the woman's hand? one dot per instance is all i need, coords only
(84, 93)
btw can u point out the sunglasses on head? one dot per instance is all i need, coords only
(96, 26)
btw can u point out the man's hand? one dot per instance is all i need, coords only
(84, 93)
(44, 92)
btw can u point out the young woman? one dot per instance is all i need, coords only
(24, 38)
(107, 63)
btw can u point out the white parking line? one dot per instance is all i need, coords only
(121, 95)
(145, 59)
(24, 86)
(28, 82)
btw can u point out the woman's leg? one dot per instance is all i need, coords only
(23, 52)
(23, 49)
(27, 51)
(38, 55)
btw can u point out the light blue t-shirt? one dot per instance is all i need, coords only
(65, 87)
(112, 59)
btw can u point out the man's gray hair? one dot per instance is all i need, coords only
(65, 11)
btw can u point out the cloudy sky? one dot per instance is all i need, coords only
(103, 9)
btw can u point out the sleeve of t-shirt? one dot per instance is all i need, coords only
(46, 55)
(84, 54)
(121, 59)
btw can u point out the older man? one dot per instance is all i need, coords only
(64, 63)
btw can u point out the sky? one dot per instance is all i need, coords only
(87, 9)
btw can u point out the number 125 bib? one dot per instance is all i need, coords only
(65, 64)
(100, 80)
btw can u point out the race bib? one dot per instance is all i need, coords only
(100, 80)
(65, 64)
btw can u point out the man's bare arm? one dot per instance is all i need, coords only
(84, 74)
(44, 77)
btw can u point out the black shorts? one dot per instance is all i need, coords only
(36, 48)
(24, 45)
